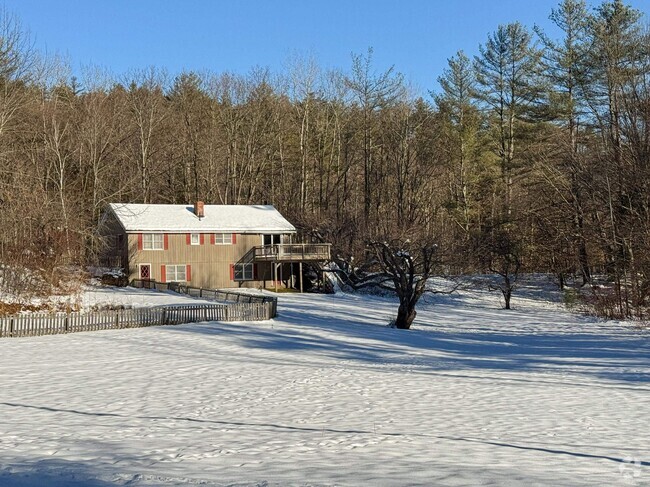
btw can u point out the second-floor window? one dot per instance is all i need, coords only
(223, 238)
(272, 239)
(153, 241)
(195, 239)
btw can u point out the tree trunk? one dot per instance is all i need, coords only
(405, 316)
(507, 290)
(507, 294)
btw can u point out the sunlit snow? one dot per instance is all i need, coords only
(326, 394)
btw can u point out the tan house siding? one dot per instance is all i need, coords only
(210, 264)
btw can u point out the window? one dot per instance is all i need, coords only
(223, 238)
(195, 239)
(153, 241)
(243, 272)
(175, 273)
(271, 239)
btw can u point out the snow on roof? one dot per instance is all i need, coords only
(218, 218)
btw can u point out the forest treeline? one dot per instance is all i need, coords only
(534, 154)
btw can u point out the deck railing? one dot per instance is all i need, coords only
(293, 252)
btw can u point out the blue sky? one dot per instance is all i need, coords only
(417, 36)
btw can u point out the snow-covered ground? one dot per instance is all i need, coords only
(97, 296)
(327, 395)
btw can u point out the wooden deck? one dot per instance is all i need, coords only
(303, 252)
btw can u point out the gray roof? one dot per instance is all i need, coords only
(218, 218)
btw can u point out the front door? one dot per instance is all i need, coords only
(145, 272)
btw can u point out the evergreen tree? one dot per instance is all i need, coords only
(564, 64)
(456, 105)
(509, 86)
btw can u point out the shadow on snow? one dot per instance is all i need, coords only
(463, 342)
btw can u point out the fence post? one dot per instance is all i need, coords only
(117, 318)
(163, 316)
(65, 323)
(11, 327)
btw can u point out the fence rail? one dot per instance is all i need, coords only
(269, 302)
(237, 307)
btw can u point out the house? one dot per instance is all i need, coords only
(209, 246)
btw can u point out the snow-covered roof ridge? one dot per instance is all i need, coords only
(218, 218)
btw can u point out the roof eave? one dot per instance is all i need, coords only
(209, 230)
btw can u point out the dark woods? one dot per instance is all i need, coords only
(533, 155)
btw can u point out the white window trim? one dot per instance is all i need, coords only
(198, 239)
(162, 244)
(175, 266)
(243, 267)
(222, 243)
(281, 235)
(140, 270)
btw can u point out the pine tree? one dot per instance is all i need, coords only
(509, 86)
(565, 69)
(462, 120)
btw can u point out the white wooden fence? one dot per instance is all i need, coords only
(248, 308)
(269, 302)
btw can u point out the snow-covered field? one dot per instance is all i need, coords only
(99, 297)
(327, 395)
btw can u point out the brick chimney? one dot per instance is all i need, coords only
(199, 209)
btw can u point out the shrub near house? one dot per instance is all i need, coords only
(211, 246)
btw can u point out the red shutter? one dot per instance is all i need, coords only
(139, 241)
(202, 239)
(234, 238)
(165, 241)
(212, 239)
(232, 272)
(188, 239)
(163, 273)
(255, 272)
(188, 273)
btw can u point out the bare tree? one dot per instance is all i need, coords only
(149, 109)
(400, 266)
(500, 250)
(371, 91)
(303, 81)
